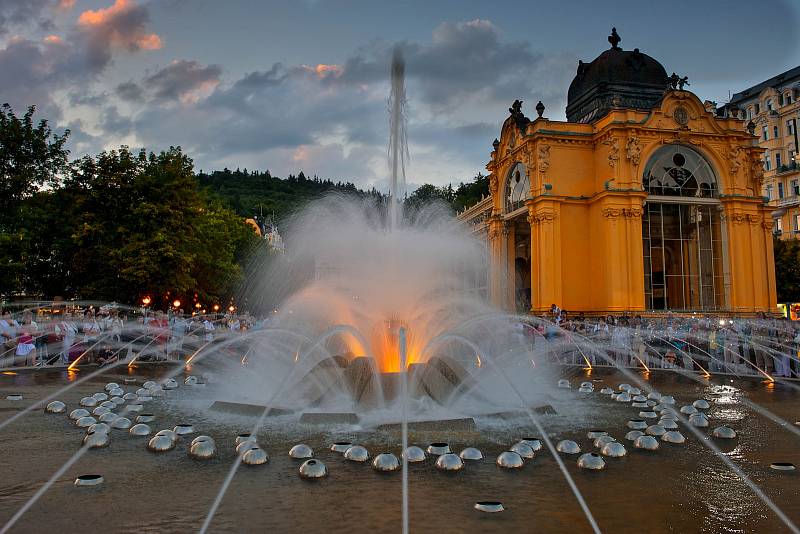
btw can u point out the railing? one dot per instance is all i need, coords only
(785, 201)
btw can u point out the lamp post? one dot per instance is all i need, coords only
(146, 300)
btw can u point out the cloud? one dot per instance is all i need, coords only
(122, 25)
(23, 14)
(187, 81)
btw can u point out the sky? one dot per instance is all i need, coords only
(302, 85)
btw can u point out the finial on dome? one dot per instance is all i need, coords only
(614, 39)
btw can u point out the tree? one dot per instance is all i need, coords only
(31, 156)
(787, 269)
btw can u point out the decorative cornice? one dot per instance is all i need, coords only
(738, 217)
(542, 217)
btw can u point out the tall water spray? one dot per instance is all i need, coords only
(398, 144)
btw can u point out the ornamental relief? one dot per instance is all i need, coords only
(626, 213)
(543, 158)
(741, 218)
(541, 218)
(733, 160)
(613, 150)
(633, 150)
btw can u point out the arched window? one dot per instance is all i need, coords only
(517, 188)
(679, 171)
(683, 258)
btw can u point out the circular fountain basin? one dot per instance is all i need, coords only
(96, 440)
(782, 466)
(356, 453)
(673, 436)
(161, 443)
(341, 446)
(637, 424)
(140, 429)
(613, 449)
(203, 450)
(99, 397)
(534, 443)
(183, 428)
(602, 440)
(509, 460)
(312, 469)
(669, 424)
(245, 446)
(245, 437)
(490, 507)
(89, 480)
(98, 427)
(170, 434)
(567, 446)
(254, 456)
(414, 454)
(122, 423)
(438, 448)
(451, 462)
(688, 409)
(145, 418)
(386, 462)
(655, 430)
(633, 434)
(77, 414)
(108, 417)
(472, 454)
(594, 434)
(88, 402)
(523, 449)
(301, 451)
(699, 419)
(724, 432)
(701, 404)
(55, 407)
(591, 460)
(648, 443)
(85, 422)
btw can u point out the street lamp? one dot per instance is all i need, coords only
(232, 308)
(146, 301)
(216, 307)
(177, 303)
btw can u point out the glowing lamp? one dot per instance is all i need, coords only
(216, 307)
(146, 301)
(231, 308)
(177, 303)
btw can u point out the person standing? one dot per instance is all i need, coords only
(26, 342)
(208, 329)
(67, 331)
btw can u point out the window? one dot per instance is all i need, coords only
(795, 189)
(778, 226)
(780, 189)
(768, 192)
(749, 113)
(775, 133)
(769, 104)
(682, 241)
(780, 99)
(679, 171)
(765, 133)
(517, 188)
(796, 223)
(766, 161)
(789, 98)
(757, 109)
(777, 161)
(789, 127)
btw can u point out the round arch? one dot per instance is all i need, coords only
(676, 170)
(516, 188)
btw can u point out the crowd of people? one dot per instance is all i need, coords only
(104, 335)
(710, 343)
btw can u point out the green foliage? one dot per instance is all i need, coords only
(256, 193)
(787, 269)
(467, 194)
(31, 156)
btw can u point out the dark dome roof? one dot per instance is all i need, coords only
(631, 79)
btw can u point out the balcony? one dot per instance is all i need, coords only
(793, 200)
(786, 169)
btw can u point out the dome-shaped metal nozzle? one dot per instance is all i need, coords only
(160, 443)
(509, 460)
(648, 443)
(567, 446)
(591, 460)
(451, 462)
(313, 468)
(254, 456)
(140, 429)
(472, 454)
(55, 407)
(301, 451)
(673, 436)
(356, 453)
(386, 461)
(724, 432)
(414, 454)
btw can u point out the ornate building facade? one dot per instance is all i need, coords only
(644, 200)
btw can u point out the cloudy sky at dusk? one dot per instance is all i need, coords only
(302, 85)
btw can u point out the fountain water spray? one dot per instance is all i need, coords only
(398, 144)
